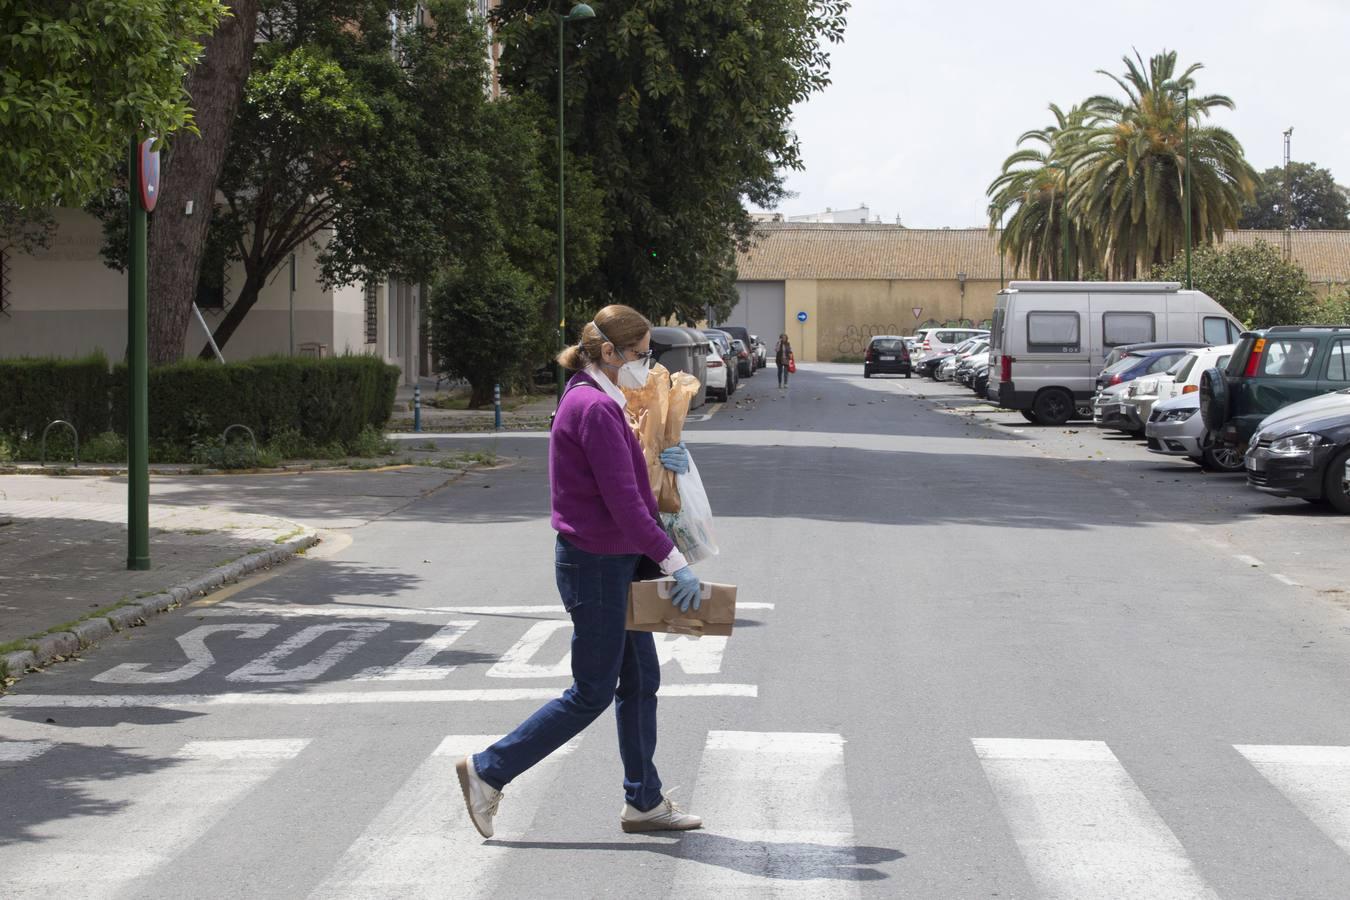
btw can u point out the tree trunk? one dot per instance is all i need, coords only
(481, 393)
(191, 171)
(248, 296)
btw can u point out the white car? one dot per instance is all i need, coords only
(974, 345)
(940, 339)
(1182, 378)
(719, 377)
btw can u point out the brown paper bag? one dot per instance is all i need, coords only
(647, 407)
(650, 609)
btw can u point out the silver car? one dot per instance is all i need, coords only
(1175, 427)
(1108, 407)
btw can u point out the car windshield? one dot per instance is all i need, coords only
(893, 345)
(1182, 370)
(1122, 364)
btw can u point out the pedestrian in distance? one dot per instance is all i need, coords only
(782, 357)
(605, 516)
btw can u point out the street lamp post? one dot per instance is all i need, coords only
(961, 280)
(580, 11)
(1186, 111)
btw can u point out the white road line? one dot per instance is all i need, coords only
(416, 665)
(1315, 779)
(22, 751)
(1248, 560)
(1084, 828)
(339, 611)
(1285, 579)
(778, 819)
(518, 662)
(140, 819)
(335, 698)
(422, 845)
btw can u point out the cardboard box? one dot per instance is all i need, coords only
(650, 609)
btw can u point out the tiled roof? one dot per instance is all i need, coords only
(789, 250)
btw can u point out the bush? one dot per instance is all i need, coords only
(302, 402)
(36, 391)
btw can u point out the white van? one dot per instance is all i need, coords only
(1050, 338)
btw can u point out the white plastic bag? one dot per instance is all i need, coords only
(692, 527)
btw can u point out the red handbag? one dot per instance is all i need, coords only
(792, 364)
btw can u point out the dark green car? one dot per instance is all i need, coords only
(1270, 369)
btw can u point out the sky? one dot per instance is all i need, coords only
(928, 98)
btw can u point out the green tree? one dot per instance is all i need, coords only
(1253, 282)
(681, 111)
(361, 126)
(1040, 238)
(482, 313)
(1128, 166)
(1316, 201)
(80, 78)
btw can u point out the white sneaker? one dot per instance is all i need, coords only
(665, 817)
(480, 797)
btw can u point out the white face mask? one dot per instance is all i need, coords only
(633, 375)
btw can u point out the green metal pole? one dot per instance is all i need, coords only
(562, 214)
(1186, 101)
(138, 395)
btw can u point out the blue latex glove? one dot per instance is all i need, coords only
(676, 459)
(686, 590)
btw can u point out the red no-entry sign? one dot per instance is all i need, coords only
(148, 169)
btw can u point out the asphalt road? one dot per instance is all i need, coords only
(975, 658)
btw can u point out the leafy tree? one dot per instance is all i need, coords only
(681, 111)
(80, 78)
(482, 314)
(1253, 282)
(341, 136)
(1128, 166)
(1040, 237)
(1316, 201)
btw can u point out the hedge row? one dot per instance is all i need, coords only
(35, 391)
(323, 400)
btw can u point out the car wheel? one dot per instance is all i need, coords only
(866, 374)
(1337, 485)
(1222, 459)
(1213, 399)
(1053, 407)
(909, 373)
(1030, 416)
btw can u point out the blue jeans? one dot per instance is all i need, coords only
(608, 663)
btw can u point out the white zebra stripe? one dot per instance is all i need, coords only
(1315, 779)
(1084, 828)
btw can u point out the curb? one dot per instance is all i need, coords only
(55, 647)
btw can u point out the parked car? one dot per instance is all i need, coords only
(887, 355)
(927, 366)
(1176, 428)
(745, 363)
(1052, 338)
(980, 382)
(722, 350)
(761, 351)
(1184, 377)
(966, 367)
(719, 378)
(1109, 407)
(748, 366)
(1120, 370)
(1269, 370)
(947, 371)
(1304, 451)
(938, 339)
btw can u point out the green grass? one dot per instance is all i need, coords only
(293, 533)
(16, 646)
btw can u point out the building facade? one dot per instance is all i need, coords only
(853, 281)
(64, 301)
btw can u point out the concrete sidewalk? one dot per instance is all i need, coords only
(63, 578)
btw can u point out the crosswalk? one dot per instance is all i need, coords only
(780, 823)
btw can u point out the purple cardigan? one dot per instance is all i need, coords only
(602, 498)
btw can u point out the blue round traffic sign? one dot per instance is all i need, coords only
(801, 316)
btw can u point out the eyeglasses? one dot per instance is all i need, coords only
(645, 356)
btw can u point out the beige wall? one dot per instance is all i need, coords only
(852, 311)
(802, 296)
(65, 302)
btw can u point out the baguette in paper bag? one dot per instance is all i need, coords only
(650, 609)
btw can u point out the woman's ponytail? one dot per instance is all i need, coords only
(571, 359)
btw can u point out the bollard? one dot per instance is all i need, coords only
(417, 408)
(497, 407)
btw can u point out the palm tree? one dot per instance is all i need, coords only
(1127, 167)
(1041, 237)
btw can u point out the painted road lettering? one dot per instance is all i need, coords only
(194, 648)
